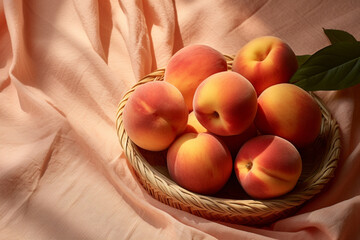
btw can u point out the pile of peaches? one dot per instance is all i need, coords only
(212, 120)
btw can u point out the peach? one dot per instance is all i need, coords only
(290, 112)
(154, 115)
(188, 67)
(265, 61)
(225, 103)
(233, 142)
(268, 166)
(199, 162)
(193, 125)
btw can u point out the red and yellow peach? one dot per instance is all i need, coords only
(154, 115)
(268, 166)
(193, 125)
(225, 103)
(199, 162)
(288, 111)
(265, 61)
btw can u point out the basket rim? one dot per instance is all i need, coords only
(253, 207)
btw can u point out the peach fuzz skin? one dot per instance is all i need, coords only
(188, 67)
(265, 61)
(225, 103)
(199, 163)
(233, 142)
(289, 112)
(154, 115)
(268, 166)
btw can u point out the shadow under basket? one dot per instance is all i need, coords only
(232, 204)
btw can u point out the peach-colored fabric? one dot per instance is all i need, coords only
(64, 66)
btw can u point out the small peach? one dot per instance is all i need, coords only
(194, 125)
(199, 162)
(154, 115)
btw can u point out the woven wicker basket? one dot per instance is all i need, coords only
(232, 204)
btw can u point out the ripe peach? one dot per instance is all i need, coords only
(199, 162)
(290, 112)
(154, 115)
(225, 103)
(194, 125)
(265, 61)
(188, 67)
(268, 166)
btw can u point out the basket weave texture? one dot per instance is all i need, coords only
(319, 163)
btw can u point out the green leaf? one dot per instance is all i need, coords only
(301, 59)
(334, 67)
(336, 36)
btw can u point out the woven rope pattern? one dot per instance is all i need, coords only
(253, 212)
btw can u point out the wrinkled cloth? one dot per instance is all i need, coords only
(64, 66)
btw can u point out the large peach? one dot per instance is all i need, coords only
(268, 166)
(265, 61)
(290, 112)
(225, 103)
(154, 115)
(199, 162)
(188, 67)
